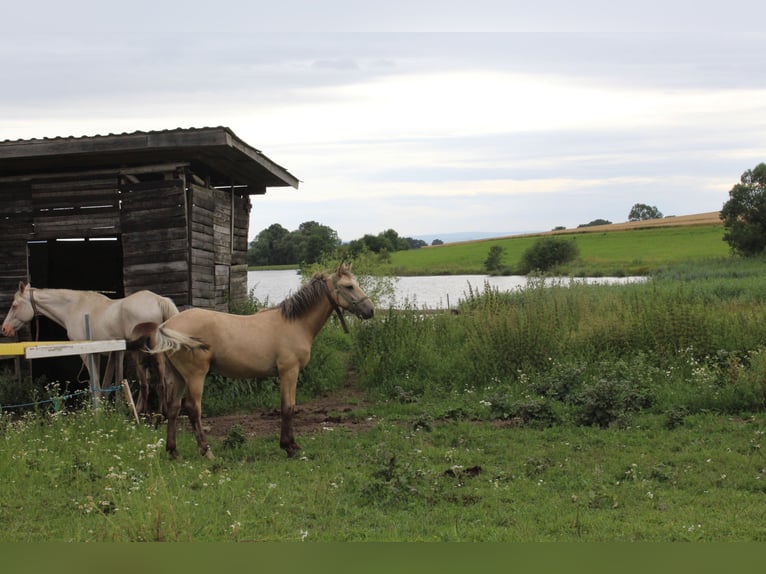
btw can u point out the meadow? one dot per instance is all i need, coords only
(633, 251)
(555, 413)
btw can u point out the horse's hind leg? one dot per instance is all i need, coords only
(288, 382)
(165, 384)
(193, 406)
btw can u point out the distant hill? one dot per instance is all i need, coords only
(708, 218)
(461, 236)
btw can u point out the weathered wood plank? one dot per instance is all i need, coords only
(134, 260)
(73, 348)
(159, 267)
(66, 184)
(155, 239)
(169, 216)
(168, 281)
(202, 198)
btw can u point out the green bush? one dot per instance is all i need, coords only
(548, 252)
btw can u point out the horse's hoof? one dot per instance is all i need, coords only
(209, 455)
(292, 450)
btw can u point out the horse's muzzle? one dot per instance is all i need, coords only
(364, 311)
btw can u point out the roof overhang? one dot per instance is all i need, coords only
(215, 154)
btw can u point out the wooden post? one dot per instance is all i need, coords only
(95, 385)
(129, 400)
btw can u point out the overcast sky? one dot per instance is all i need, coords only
(425, 117)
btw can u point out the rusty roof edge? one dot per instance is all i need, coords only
(22, 141)
(258, 156)
(139, 140)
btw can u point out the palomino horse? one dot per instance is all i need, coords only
(275, 341)
(109, 319)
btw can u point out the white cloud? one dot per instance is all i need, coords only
(419, 132)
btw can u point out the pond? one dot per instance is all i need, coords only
(433, 292)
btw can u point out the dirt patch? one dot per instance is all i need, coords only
(338, 410)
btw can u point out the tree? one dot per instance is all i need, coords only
(384, 242)
(602, 221)
(415, 243)
(268, 247)
(493, 262)
(277, 246)
(744, 214)
(643, 212)
(314, 241)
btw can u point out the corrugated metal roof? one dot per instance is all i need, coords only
(214, 152)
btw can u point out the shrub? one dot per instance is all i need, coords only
(547, 252)
(533, 411)
(608, 400)
(493, 262)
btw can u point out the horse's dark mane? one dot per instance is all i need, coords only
(297, 305)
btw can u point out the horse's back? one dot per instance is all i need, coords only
(118, 317)
(241, 345)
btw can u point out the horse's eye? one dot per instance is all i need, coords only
(349, 287)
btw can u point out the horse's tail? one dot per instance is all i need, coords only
(142, 337)
(170, 341)
(168, 308)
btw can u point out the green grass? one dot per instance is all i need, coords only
(570, 413)
(85, 477)
(631, 252)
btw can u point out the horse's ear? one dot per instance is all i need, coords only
(22, 286)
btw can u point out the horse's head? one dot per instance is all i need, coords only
(348, 295)
(21, 311)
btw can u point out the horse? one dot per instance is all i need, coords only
(109, 319)
(274, 341)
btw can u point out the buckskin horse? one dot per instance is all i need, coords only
(275, 341)
(109, 319)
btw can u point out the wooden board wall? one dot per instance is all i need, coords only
(202, 256)
(199, 260)
(79, 207)
(15, 230)
(219, 227)
(238, 291)
(154, 239)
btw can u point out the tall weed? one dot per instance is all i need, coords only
(601, 351)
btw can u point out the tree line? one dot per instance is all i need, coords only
(312, 241)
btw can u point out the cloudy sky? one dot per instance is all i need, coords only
(425, 117)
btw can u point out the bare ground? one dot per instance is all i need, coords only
(339, 409)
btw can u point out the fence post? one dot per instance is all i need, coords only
(95, 385)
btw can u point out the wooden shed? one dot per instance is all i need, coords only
(166, 211)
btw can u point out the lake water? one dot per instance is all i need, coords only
(433, 292)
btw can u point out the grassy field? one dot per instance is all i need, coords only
(85, 477)
(609, 250)
(556, 413)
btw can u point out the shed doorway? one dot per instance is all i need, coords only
(83, 264)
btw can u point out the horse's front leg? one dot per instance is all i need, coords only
(288, 381)
(92, 364)
(173, 408)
